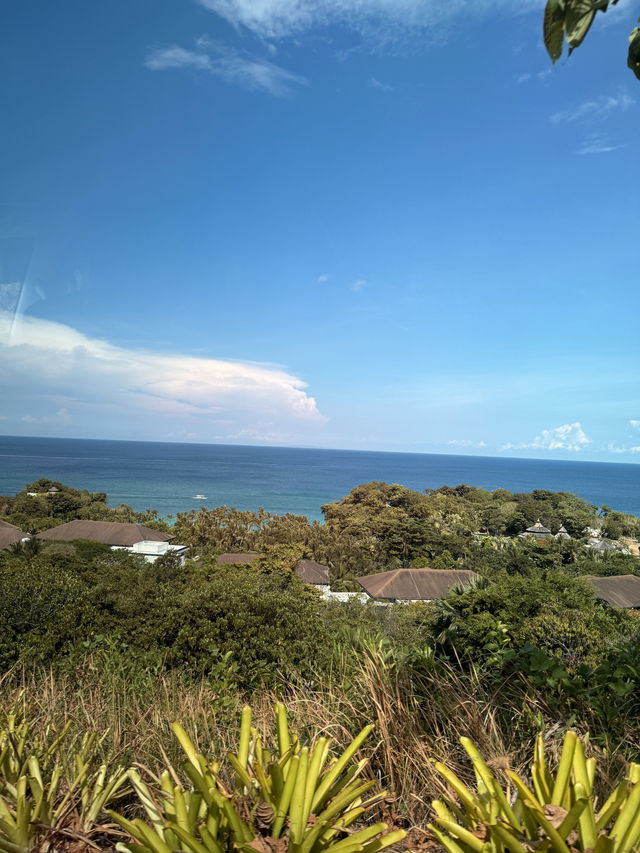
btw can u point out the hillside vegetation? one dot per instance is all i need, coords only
(106, 641)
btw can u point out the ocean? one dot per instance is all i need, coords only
(168, 476)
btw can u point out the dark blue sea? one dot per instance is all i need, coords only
(167, 477)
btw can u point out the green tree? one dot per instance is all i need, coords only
(268, 623)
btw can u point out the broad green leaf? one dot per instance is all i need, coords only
(633, 59)
(553, 28)
(579, 16)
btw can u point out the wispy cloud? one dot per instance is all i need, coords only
(231, 65)
(358, 284)
(62, 416)
(595, 109)
(322, 278)
(539, 75)
(634, 423)
(373, 83)
(465, 442)
(566, 437)
(177, 57)
(612, 447)
(45, 362)
(598, 145)
(380, 19)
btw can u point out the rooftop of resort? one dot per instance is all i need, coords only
(10, 535)
(119, 533)
(621, 591)
(307, 570)
(311, 572)
(414, 584)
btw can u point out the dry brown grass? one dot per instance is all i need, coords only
(419, 719)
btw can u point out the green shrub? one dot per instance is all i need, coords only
(286, 797)
(270, 623)
(42, 610)
(554, 813)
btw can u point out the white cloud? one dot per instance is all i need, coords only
(597, 145)
(596, 109)
(62, 416)
(566, 437)
(177, 57)
(42, 362)
(539, 75)
(465, 442)
(322, 278)
(358, 284)
(380, 19)
(230, 65)
(634, 423)
(622, 448)
(373, 83)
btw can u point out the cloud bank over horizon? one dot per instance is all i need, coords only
(55, 375)
(570, 437)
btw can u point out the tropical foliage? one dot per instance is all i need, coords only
(570, 21)
(557, 812)
(288, 797)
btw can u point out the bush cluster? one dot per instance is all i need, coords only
(532, 620)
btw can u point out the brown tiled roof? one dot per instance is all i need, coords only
(225, 559)
(10, 535)
(414, 584)
(619, 591)
(119, 533)
(312, 572)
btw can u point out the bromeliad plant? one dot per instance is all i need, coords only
(47, 789)
(296, 798)
(556, 813)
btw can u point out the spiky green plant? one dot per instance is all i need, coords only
(294, 797)
(555, 813)
(44, 785)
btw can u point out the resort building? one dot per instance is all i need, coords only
(537, 531)
(310, 572)
(10, 535)
(620, 591)
(408, 585)
(562, 534)
(136, 538)
(344, 597)
(315, 574)
(604, 546)
(120, 533)
(151, 550)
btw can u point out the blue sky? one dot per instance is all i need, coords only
(369, 224)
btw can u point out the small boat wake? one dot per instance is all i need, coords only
(200, 497)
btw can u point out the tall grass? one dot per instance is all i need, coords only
(420, 712)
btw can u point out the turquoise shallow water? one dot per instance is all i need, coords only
(166, 477)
